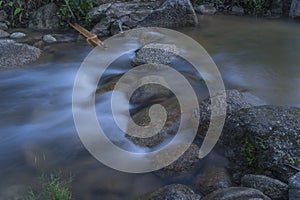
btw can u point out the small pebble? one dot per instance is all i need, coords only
(17, 35)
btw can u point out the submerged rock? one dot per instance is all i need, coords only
(44, 18)
(236, 193)
(275, 189)
(171, 126)
(14, 54)
(176, 191)
(213, 179)
(264, 140)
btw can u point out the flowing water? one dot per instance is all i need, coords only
(38, 135)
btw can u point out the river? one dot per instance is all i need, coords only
(257, 56)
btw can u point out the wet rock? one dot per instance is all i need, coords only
(17, 35)
(275, 189)
(49, 38)
(44, 18)
(213, 179)
(103, 27)
(171, 14)
(14, 54)
(125, 15)
(206, 9)
(235, 101)
(178, 192)
(183, 164)
(148, 93)
(294, 187)
(3, 34)
(295, 9)
(170, 128)
(99, 12)
(155, 53)
(264, 140)
(236, 193)
(236, 10)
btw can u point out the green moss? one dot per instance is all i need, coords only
(252, 149)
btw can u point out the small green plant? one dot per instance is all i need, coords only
(74, 10)
(53, 187)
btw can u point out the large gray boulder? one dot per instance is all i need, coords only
(274, 188)
(176, 191)
(114, 17)
(44, 18)
(171, 14)
(236, 193)
(14, 54)
(264, 140)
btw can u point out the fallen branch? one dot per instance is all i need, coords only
(91, 38)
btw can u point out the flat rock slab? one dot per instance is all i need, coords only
(13, 54)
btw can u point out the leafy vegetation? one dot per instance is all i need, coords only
(53, 187)
(68, 10)
(74, 10)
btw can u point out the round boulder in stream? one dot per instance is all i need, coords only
(236, 193)
(264, 140)
(275, 189)
(176, 191)
(13, 54)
